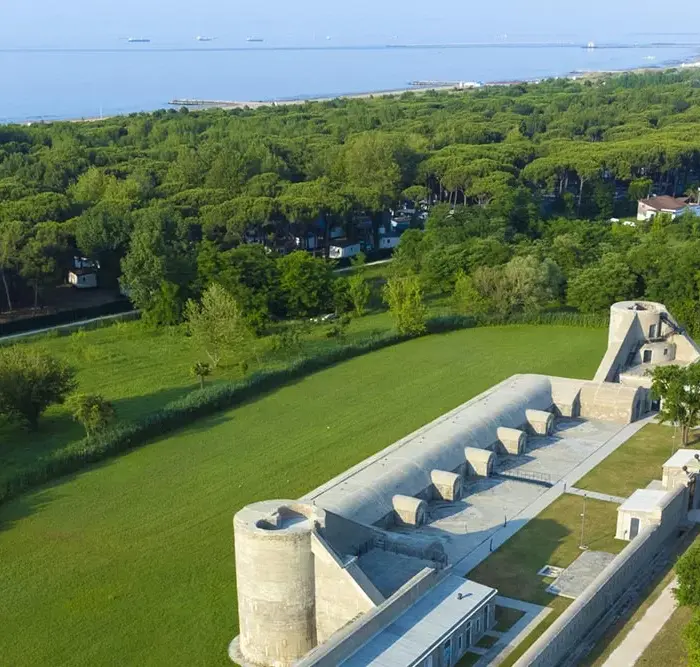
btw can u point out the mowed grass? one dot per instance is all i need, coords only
(668, 648)
(552, 538)
(633, 465)
(139, 370)
(131, 562)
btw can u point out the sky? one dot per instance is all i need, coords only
(56, 23)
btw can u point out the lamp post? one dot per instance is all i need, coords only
(583, 523)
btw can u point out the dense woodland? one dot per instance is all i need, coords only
(522, 181)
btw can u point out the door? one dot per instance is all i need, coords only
(447, 653)
(634, 528)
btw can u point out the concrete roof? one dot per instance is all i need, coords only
(681, 458)
(364, 493)
(644, 500)
(416, 632)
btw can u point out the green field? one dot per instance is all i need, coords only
(552, 538)
(140, 370)
(130, 562)
(635, 464)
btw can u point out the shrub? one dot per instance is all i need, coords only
(30, 381)
(226, 395)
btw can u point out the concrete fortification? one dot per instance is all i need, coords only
(338, 572)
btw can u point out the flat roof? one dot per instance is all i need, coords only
(644, 500)
(413, 634)
(682, 457)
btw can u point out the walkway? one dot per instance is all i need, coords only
(514, 524)
(71, 326)
(618, 500)
(644, 631)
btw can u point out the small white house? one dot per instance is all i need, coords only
(83, 278)
(389, 242)
(674, 206)
(344, 250)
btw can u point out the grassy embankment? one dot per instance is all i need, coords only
(130, 561)
(553, 537)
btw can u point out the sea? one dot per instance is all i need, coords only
(74, 82)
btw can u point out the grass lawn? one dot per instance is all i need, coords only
(130, 562)
(633, 465)
(506, 618)
(619, 630)
(140, 371)
(667, 648)
(552, 538)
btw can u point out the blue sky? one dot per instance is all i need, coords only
(89, 22)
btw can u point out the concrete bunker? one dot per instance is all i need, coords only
(512, 440)
(409, 511)
(448, 485)
(540, 422)
(480, 462)
(612, 402)
(275, 581)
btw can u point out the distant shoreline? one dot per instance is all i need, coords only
(456, 86)
(200, 105)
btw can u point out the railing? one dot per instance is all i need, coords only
(541, 478)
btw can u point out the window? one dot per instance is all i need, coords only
(665, 352)
(647, 356)
(460, 642)
(428, 661)
(468, 636)
(652, 331)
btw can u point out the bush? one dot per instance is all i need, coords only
(31, 381)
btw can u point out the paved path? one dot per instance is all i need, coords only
(71, 326)
(345, 269)
(644, 630)
(618, 500)
(483, 551)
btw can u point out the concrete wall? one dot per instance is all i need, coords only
(343, 591)
(356, 634)
(568, 630)
(612, 402)
(275, 582)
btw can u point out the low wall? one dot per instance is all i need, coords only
(567, 631)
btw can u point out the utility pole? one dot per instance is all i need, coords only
(583, 523)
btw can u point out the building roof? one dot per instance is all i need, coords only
(681, 458)
(422, 626)
(644, 500)
(364, 493)
(665, 203)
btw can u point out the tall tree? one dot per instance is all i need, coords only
(11, 237)
(404, 296)
(679, 390)
(218, 326)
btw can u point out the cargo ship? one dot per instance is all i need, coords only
(254, 39)
(138, 40)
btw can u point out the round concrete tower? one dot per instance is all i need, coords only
(623, 313)
(275, 581)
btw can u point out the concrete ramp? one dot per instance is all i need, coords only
(343, 591)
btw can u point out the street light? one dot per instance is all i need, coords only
(583, 523)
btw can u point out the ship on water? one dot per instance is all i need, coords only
(254, 39)
(201, 38)
(138, 40)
